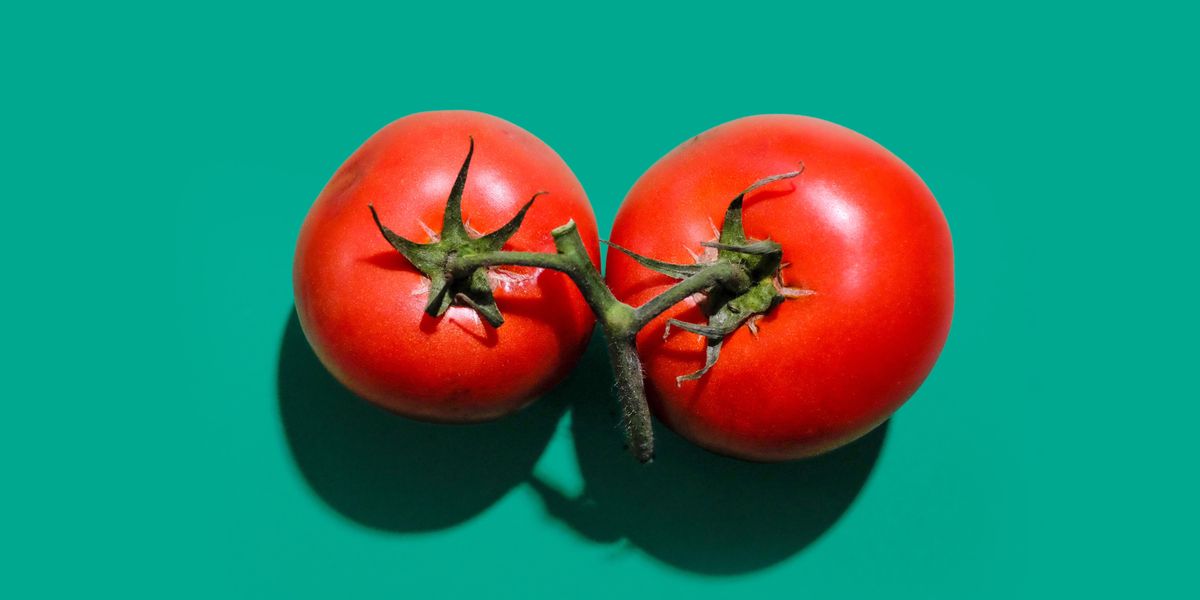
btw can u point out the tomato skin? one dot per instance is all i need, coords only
(360, 303)
(858, 227)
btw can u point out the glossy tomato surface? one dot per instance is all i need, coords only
(360, 303)
(858, 228)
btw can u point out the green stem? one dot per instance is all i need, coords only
(631, 391)
(727, 275)
(464, 265)
(619, 321)
(456, 264)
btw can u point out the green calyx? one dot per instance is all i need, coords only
(433, 259)
(729, 308)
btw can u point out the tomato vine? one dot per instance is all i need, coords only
(739, 285)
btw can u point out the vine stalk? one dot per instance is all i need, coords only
(741, 283)
(619, 321)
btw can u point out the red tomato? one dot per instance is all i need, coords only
(360, 302)
(858, 228)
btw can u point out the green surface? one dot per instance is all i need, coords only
(166, 433)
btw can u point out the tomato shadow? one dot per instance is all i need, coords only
(390, 473)
(693, 509)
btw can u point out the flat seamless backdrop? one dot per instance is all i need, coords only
(164, 434)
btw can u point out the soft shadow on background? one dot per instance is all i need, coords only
(691, 508)
(393, 473)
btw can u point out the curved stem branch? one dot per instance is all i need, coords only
(613, 314)
(724, 274)
(463, 265)
(619, 321)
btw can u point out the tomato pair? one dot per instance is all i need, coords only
(866, 279)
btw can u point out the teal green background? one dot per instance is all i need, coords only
(163, 437)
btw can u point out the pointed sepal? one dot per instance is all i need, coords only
(733, 232)
(706, 331)
(453, 227)
(495, 240)
(677, 271)
(422, 256)
(758, 248)
(439, 299)
(479, 297)
(712, 352)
